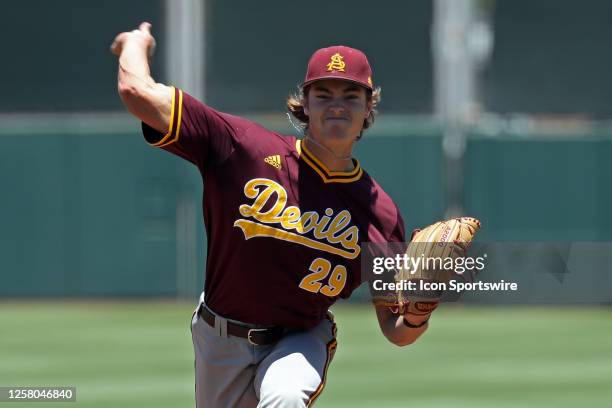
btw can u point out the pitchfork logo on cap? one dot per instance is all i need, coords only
(336, 63)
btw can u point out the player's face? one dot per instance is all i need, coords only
(336, 110)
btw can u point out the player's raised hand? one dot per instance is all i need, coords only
(141, 37)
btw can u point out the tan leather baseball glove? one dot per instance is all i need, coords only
(432, 254)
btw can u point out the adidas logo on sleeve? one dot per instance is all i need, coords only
(274, 160)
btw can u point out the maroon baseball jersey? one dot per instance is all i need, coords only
(284, 232)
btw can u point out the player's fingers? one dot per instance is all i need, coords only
(117, 44)
(145, 27)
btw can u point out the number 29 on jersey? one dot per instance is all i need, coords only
(319, 270)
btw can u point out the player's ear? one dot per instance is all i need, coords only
(305, 106)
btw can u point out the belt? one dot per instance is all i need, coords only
(255, 336)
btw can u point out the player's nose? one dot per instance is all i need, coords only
(337, 110)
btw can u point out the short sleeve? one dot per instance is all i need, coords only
(398, 234)
(196, 132)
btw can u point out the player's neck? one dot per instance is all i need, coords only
(335, 159)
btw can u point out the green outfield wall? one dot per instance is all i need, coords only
(106, 215)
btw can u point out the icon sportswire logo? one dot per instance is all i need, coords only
(332, 232)
(274, 160)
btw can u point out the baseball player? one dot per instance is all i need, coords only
(285, 219)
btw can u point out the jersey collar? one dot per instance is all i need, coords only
(326, 175)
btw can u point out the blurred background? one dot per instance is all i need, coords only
(495, 109)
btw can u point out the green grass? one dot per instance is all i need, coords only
(136, 354)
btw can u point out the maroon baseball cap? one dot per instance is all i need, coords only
(339, 62)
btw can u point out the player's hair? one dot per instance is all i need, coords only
(295, 105)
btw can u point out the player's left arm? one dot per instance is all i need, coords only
(392, 324)
(397, 327)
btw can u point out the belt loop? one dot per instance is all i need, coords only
(201, 303)
(221, 326)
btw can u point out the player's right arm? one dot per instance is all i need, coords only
(172, 119)
(144, 98)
